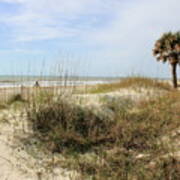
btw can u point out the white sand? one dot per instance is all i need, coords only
(15, 162)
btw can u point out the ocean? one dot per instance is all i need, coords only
(51, 81)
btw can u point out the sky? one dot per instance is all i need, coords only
(84, 37)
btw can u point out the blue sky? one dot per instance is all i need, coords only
(84, 37)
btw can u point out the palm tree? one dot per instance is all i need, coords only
(167, 48)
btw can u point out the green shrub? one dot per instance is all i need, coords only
(16, 98)
(3, 106)
(68, 125)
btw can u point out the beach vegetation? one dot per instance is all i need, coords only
(120, 139)
(167, 49)
(135, 82)
(15, 98)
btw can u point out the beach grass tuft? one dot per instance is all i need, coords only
(131, 82)
(126, 137)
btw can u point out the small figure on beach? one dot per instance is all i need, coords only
(36, 84)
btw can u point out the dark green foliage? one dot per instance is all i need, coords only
(16, 98)
(168, 47)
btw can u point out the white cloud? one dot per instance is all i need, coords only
(45, 19)
(141, 20)
(22, 51)
(130, 37)
(124, 30)
(12, 1)
(154, 15)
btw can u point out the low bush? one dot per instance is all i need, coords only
(132, 128)
(70, 126)
(16, 98)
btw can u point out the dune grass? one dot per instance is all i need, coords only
(133, 82)
(122, 136)
(15, 98)
(120, 139)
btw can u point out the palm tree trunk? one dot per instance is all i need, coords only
(174, 74)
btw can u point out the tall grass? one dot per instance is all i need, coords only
(131, 82)
(125, 136)
(121, 138)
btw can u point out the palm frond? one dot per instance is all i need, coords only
(168, 47)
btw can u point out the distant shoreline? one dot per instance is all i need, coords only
(52, 83)
(22, 78)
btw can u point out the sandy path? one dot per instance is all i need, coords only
(8, 162)
(15, 162)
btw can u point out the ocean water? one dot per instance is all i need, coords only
(29, 81)
(49, 83)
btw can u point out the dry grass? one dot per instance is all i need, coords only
(132, 82)
(133, 128)
(120, 139)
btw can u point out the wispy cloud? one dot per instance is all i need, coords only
(140, 20)
(116, 30)
(101, 20)
(23, 51)
(45, 19)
